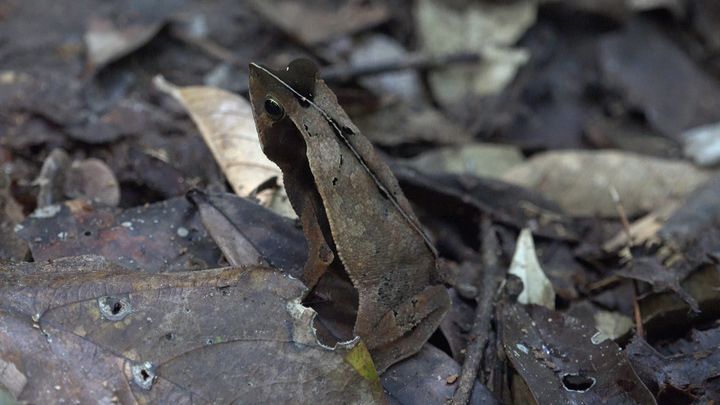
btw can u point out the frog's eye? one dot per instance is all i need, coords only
(274, 109)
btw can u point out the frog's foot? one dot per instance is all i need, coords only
(401, 332)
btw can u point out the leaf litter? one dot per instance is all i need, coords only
(627, 236)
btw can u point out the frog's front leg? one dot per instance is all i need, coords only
(402, 331)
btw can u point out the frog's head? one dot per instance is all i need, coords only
(279, 99)
(274, 92)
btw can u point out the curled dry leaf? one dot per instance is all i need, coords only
(537, 287)
(171, 338)
(92, 179)
(226, 123)
(107, 42)
(666, 312)
(52, 178)
(354, 215)
(461, 197)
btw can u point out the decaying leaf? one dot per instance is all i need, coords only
(661, 277)
(354, 215)
(561, 361)
(665, 314)
(210, 336)
(238, 249)
(689, 375)
(166, 236)
(640, 62)
(537, 287)
(643, 183)
(692, 233)
(226, 123)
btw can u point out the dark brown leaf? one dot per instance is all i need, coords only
(166, 236)
(692, 370)
(237, 224)
(423, 379)
(560, 363)
(655, 75)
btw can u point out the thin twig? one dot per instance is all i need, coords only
(639, 329)
(483, 314)
(343, 73)
(621, 213)
(210, 48)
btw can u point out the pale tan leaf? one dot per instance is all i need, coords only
(489, 28)
(537, 287)
(580, 181)
(226, 123)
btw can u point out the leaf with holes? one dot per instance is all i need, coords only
(93, 330)
(563, 361)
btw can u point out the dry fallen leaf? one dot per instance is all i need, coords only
(479, 159)
(226, 123)
(106, 42)
(580, 181)
(491, 28)
(702, 144)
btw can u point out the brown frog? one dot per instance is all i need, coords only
(354, 215)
